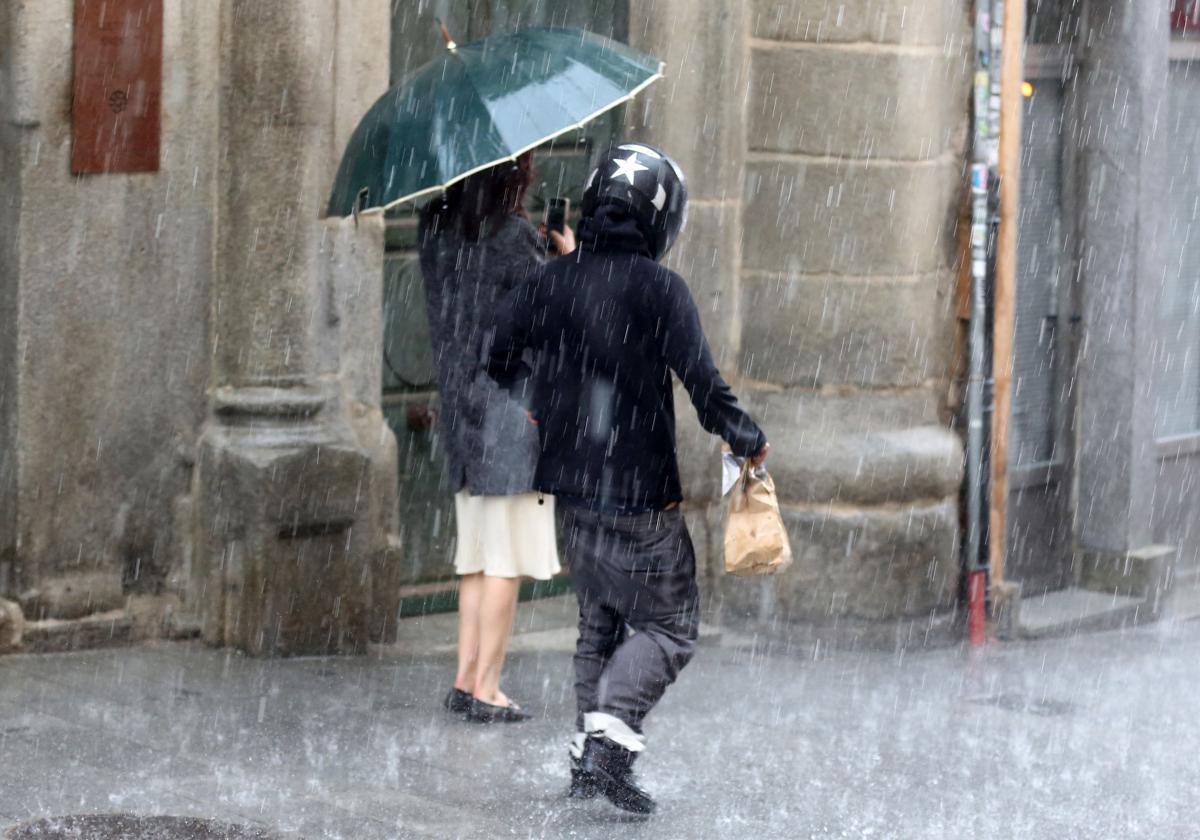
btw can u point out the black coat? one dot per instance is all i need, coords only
(490, 444)
(607, 326)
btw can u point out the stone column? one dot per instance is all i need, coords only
(10, 208)
(287, 527)
(855, 143)
(1121, 161)
(697, 114)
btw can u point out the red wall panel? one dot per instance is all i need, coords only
(1185, 15)
(115, 113)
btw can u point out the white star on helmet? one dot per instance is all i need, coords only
(628, 167)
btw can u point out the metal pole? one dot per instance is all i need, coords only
(983, 159)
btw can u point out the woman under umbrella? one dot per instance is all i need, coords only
(477, 244)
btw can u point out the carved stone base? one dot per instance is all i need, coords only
(284, 537)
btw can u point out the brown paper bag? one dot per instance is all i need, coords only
(756, 542)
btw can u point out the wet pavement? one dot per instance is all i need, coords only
(1093, 736)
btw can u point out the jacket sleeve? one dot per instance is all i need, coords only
(689, 356)
(509, 335)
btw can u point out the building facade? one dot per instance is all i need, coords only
(216, 405)
(1106, 378)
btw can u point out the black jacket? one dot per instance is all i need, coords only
(589, 343)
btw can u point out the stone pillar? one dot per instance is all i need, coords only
(289, 498)
(10, 208)
(697, 113)
(1121, 161)
(855, 142)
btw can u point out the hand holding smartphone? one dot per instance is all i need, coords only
(557, 210)
(555, 228)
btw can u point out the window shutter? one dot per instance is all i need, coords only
(1040, 261)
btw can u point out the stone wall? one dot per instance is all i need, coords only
(105, 308)
(112, 277)
(856, 138)
(856, 142)
(825, 146)
(824, 142)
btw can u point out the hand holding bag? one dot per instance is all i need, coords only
(756, 542)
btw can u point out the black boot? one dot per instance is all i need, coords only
(583, 784)
(611, 767)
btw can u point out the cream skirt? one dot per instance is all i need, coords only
(506, 536)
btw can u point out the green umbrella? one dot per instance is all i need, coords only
(481, 104)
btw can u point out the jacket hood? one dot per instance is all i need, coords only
(612, 228)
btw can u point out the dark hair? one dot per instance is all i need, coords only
(484, 200)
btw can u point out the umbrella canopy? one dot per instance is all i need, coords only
(481, 104)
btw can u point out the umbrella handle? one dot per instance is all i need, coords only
(450, 45)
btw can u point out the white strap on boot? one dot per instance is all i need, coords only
(575, 748)
(602, 725)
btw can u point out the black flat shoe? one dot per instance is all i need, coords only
(481, 712)
(458, 701)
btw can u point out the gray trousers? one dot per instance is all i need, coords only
(631, 573)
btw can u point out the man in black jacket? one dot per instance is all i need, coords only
(590, 342)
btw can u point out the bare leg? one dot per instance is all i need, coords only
(470, 598)
(495, 625)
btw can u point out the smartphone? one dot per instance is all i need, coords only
(557, 210)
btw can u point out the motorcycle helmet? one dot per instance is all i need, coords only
(647, 182)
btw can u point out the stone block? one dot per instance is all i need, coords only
(698, 453)
(853, 103)
(747, 601)
(1006, 609)
(706, 256)
(902, 465)
(870, 563)
(827, 413)
(840, 217)
(706, 80)
(364, 35)
(284, 541)
(12, 626)
(111, 629)
(706, 525)
(907, 22)
(1146, 573)
(292, 72)
(74, 596)
(830, 330)
(350, 334)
